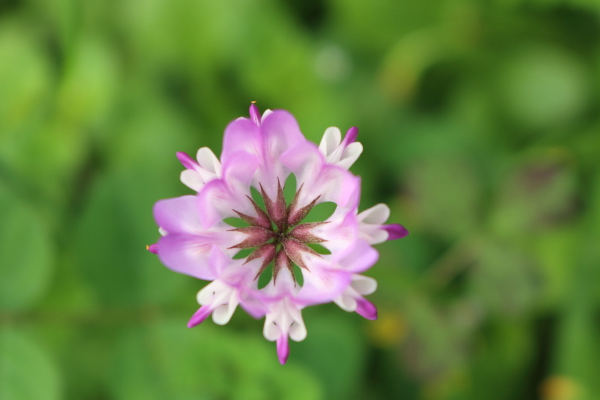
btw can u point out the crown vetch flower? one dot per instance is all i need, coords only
(261, 152)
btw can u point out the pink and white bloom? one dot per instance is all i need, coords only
(261, 152)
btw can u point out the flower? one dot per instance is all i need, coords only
(259, 154)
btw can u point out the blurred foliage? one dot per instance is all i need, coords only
(481, 127)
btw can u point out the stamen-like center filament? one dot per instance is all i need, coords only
(276, 234)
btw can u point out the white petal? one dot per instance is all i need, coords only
(364, 284)
(266, 113)
(207, 160)
(222, 314)
(191, 179)
(375, 215)
(162, 231)
(377, 236)
(298, 331)
(212, 292)
(205, 295)
(350, 155)
(346, 303)
(271, 331)
(330, 141)
(284, 319)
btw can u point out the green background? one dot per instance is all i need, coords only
(481, 127)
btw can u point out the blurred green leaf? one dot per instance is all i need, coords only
(117, 223)
(167, 360)
(87, 91)
(25, 81)
(446, 193)
(556, 252)
(504, 355)
(356, 20)
(436, 343)
(542, 86)
(334, 351)
(26, 372)
(503, 279)
(26, 249)
(577, 344)
(539, 194)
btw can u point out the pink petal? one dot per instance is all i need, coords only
(241, 135)
(240, 170)
(220, 197)
(252, 305)
(360, 258)
(330, 182)
(187, 254)
(178, 215)
(322, 285)
(279, 133)
(340, 232)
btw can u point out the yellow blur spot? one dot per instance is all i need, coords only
(560, 388)
(388, 330)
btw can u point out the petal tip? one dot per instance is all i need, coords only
(395, 231)
(283, 350)
(199, 316)
(254, 112)
(351, 135)
(186, 160)
(366, 309)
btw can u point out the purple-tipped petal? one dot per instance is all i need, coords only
(186, 160)
(350, 136)
(395, 231)
(199, 316)
(366, 309)
(254, 113)
(283, 349)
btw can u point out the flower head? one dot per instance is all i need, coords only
(259, 154)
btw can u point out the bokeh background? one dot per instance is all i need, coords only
(481, 127)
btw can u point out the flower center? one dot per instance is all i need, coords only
(276, 233)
